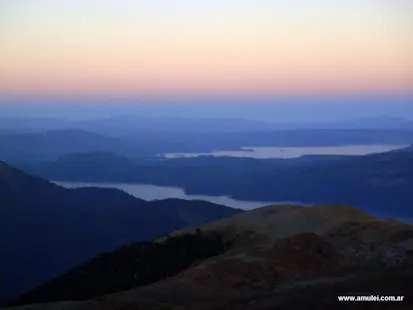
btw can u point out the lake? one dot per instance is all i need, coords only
(153, 192)
(294, 152)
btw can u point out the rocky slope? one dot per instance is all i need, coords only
(283, 257)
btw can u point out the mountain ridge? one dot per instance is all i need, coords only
(61, 227)
(276, 252)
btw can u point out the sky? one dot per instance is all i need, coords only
(244, 48)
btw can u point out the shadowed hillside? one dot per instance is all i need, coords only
(46, 229)
(128, 267)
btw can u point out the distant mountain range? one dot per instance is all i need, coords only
(49, 145)
(123, 125)
(46, 229)
(381, 122)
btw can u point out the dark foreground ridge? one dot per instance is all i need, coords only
(128, 267)
(277, 257)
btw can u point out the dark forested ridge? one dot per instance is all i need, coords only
(46, 229)
(371, 181)
(128, 267)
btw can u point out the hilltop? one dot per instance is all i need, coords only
(276, 257)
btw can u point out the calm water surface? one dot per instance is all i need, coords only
(294, 152)
(153, 192)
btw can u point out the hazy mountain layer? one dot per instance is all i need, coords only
(373, 182)
(143, 143)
